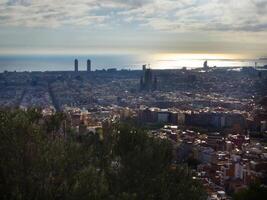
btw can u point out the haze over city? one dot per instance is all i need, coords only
(133, 99)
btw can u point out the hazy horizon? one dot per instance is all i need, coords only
(105, 61)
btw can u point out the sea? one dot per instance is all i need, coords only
(22, 63)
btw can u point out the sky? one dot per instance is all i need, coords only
(214, 28)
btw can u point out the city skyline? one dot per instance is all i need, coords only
(196, 28)
(133, 99)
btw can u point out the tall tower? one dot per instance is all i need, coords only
(155, 83)
(148, 77)
(88, 65)
(205, 65)
(148, 82)
(141, 83)
(76, 65)
(144, 67)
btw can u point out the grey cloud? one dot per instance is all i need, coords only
(19, 2)
(261, 6)
(167, 15)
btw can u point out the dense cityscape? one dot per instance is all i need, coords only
(133, 100)
(214, 117)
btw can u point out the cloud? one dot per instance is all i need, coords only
(49, 13)
(201, 15)
(162, 15)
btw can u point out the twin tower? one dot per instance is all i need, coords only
(76, 65)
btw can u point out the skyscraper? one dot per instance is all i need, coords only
(141, 83)
(76, 67)
(155, 83)
(148, 78)
(88, 65)
(144, 67)
(205, 65)
(146, 82)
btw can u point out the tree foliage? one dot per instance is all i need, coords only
(37, 161)
(254, 192)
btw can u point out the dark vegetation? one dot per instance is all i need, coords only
(42, 158)
(254, 192)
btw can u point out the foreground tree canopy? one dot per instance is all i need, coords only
(254, 191)
(41, 159)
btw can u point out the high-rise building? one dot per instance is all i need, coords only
(141, 83)
(148, 77)
(76, 65)
(205, 65)
(146, 82)
(88, 65)
(144, 67)
(155, 83)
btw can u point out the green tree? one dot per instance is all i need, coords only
(119, 162)
(144, 169)
(254, 192)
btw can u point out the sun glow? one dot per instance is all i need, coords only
(176, 57)
(174, 61)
